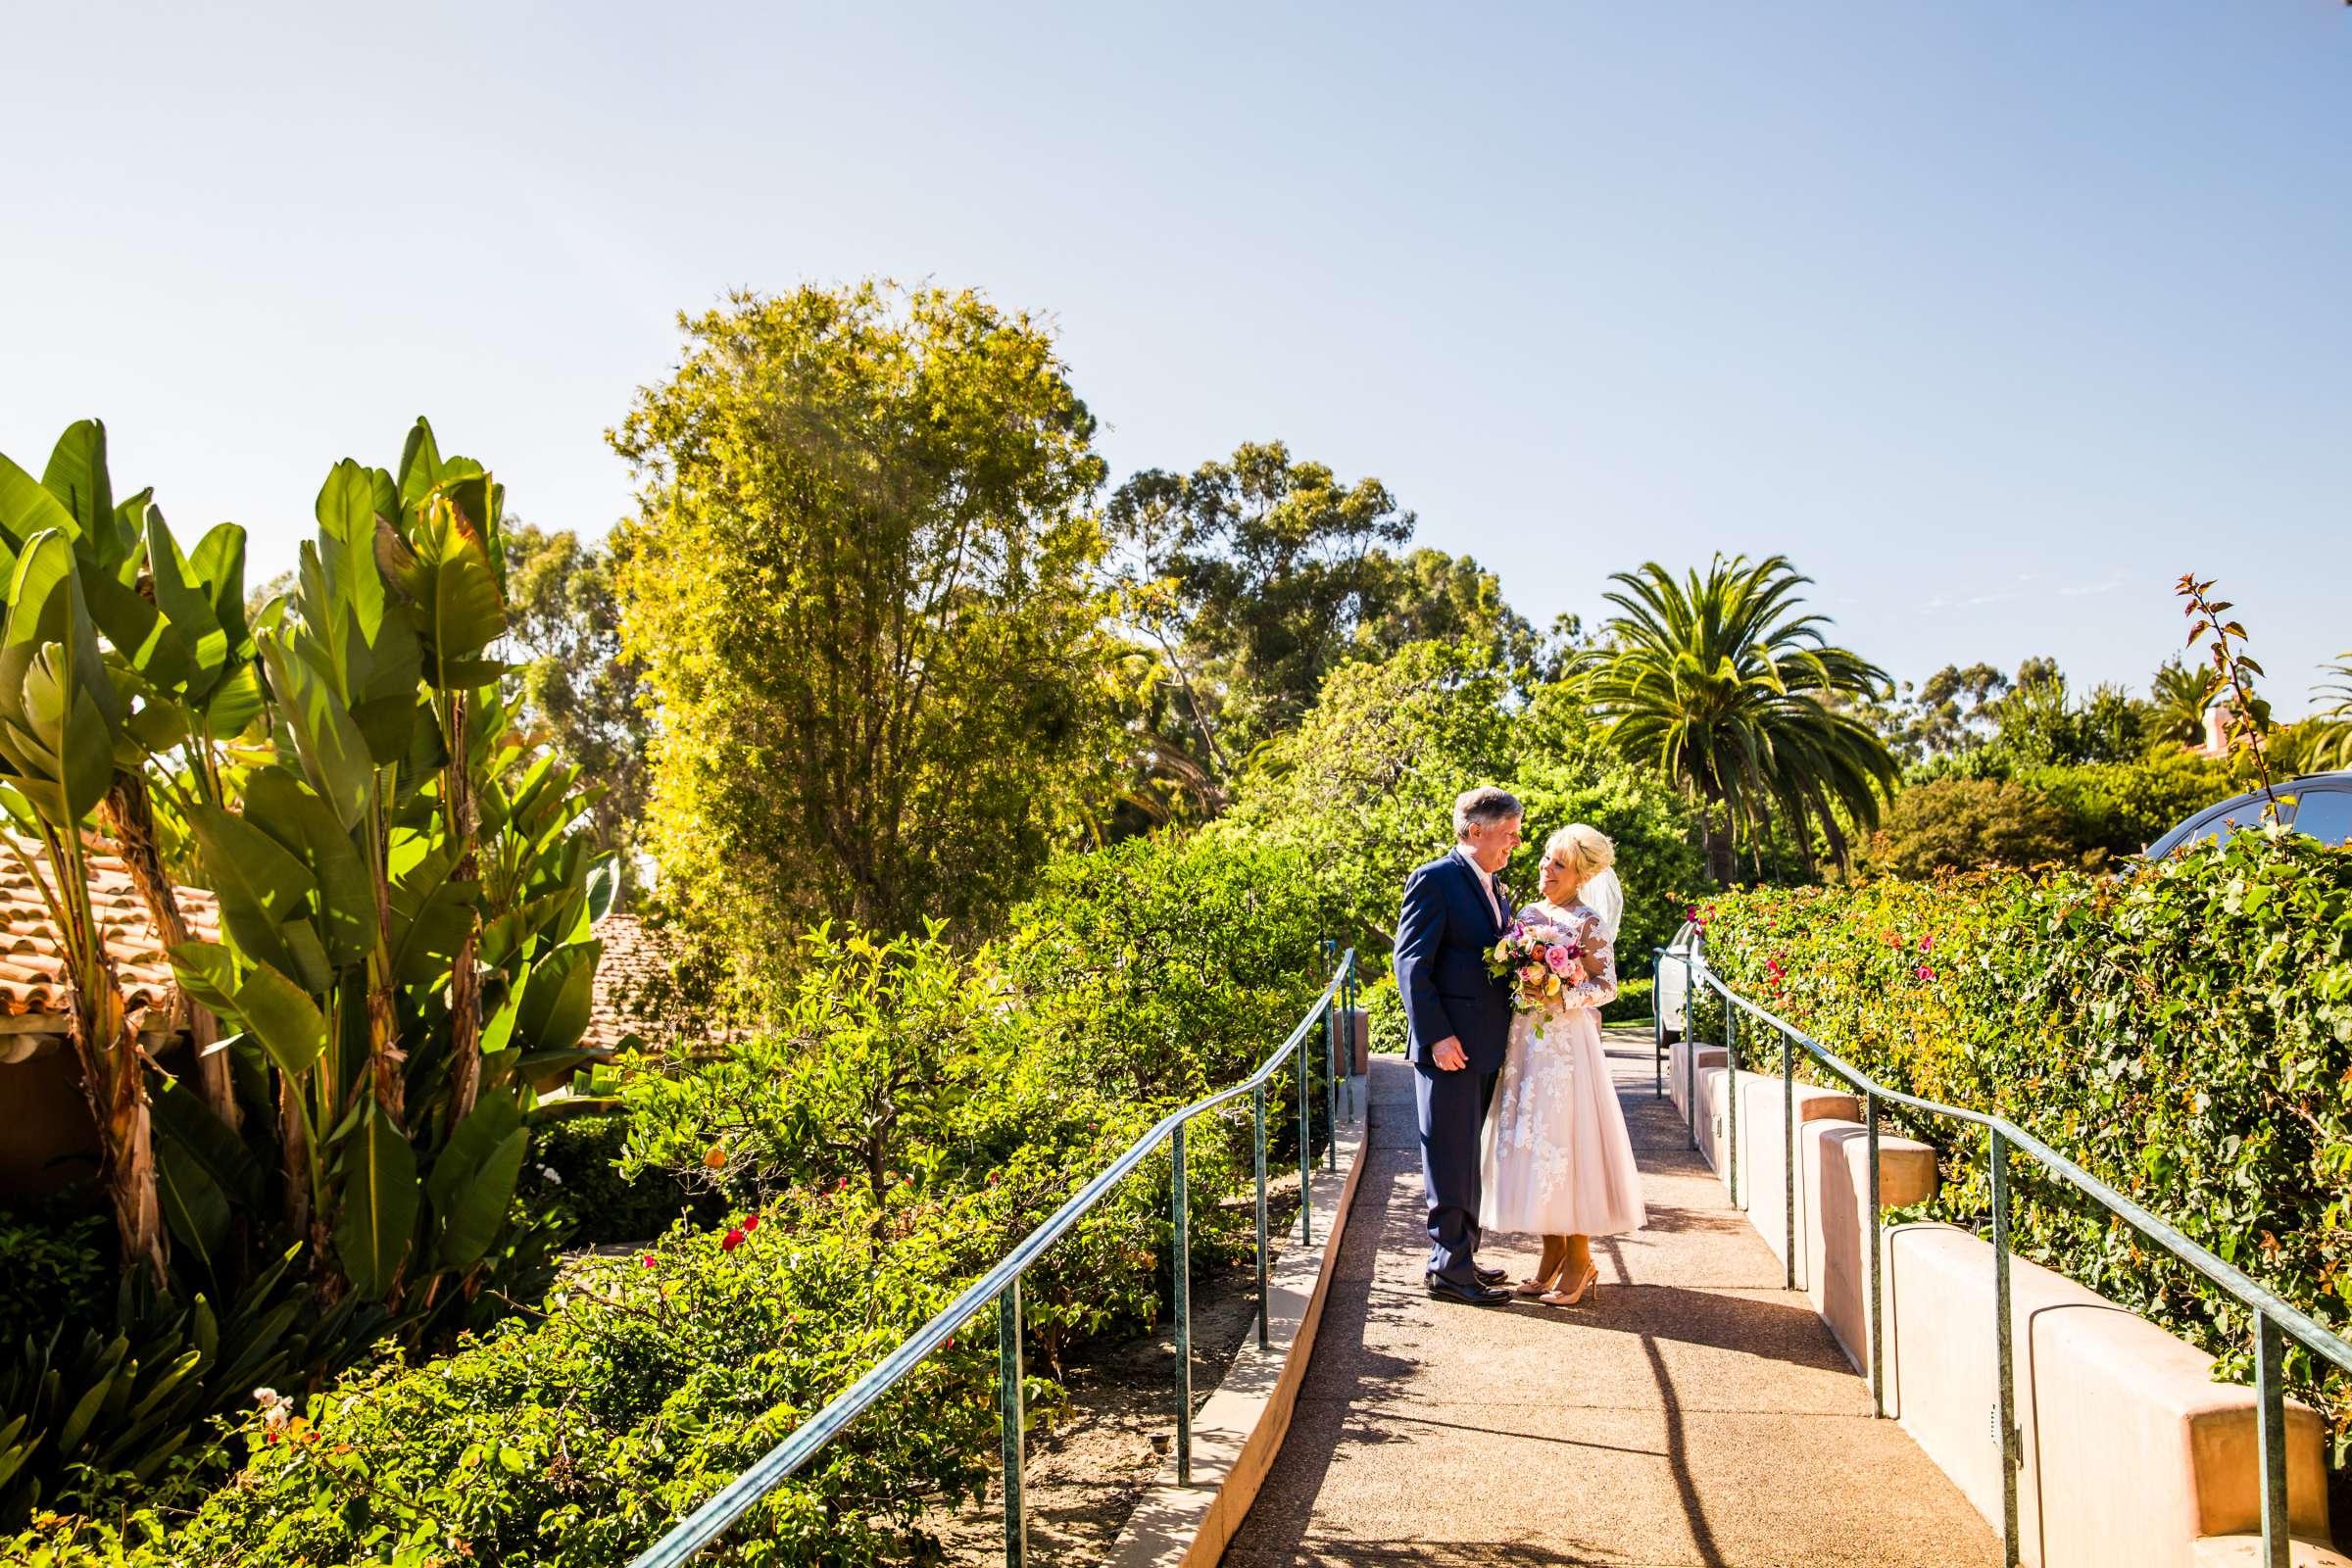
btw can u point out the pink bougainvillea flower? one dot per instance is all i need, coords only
(733, 1240)
(1926, 973)
(647, 1260)
(1927, 944)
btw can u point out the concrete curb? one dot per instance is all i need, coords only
(1238, 1433)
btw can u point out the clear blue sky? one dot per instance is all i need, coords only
(1996, 317)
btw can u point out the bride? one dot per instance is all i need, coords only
(1557, 1160)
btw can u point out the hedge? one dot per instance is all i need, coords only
(2184, 1030)
(916, 1108)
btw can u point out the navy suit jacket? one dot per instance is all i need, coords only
(1442, 940)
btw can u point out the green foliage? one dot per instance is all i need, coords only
(1961, 823)
(574, 1175)
(860, 583)
(563, 611)
(876, 1046)
(2332, 719)
(1720, 685)
(1259, 575)
(1632, 1004)
(2041, 726)
(1364, 788)
(54, 1261)
(2184, 1031)
(2119, 808)
(576, 1439)
(2180, 698)
(1181, 961)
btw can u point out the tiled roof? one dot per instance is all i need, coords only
(636, 959)
(32, 967)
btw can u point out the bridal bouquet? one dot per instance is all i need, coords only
(1539, 962)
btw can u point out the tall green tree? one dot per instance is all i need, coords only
(861, 583)
(1724, 685)
(563, 614)
(1254, 577)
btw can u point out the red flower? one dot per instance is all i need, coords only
(731, 1240)
(647, 1260)
(750, 1223)
(1926, 973)
(1927, 944)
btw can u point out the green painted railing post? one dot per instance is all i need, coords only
(1878, 1348)
(2006, 1413)
(1788, 1148)
(1257, 1109)
(2270, 1396)
(1184, 1318)
(1331, 1090)
(1307, 1154)
(1011, 1412)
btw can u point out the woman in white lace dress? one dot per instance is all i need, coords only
(1558, 1162)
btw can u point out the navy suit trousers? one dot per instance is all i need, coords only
(1452, 1108)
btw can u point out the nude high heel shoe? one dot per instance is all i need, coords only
(1590, 1285)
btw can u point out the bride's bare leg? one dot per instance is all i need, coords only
(1577, 1277)
(1556, 1248)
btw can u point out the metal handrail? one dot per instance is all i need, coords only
(1002, 1283)
(2273, 1315)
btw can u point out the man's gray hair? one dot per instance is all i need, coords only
(1484, 807)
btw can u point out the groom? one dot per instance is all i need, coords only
(1459, 1020)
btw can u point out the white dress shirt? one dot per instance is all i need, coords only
(1485, 881)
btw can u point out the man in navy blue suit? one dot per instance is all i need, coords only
(1458, 1017)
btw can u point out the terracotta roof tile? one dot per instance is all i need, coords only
(33, 969)
(635, 960)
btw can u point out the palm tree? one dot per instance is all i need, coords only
(1722, 684)
(2332, 748)
(2182, 697)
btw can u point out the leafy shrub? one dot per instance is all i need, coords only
(2122, 808)
(1365, 787)
(573, 1174)
(2184, 1031)
(649, 1383)
(1963, 824)
(1633, 1002)
(1392, 1031)
(1168, 966)
(54, 1261)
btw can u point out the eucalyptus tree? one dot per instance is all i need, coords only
(1721, 682)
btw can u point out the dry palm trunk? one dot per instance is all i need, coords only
(109, 1048)
(133, 817)
(464, 983)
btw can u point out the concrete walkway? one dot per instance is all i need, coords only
(1694, 1413)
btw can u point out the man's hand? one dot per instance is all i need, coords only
(1448, 1054)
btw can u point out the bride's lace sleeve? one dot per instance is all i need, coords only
(1599, 967)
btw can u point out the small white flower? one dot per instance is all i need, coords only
(548, 1172)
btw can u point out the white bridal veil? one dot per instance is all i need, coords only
(1605, 896)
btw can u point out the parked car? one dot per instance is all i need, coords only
(2319, 805)
(1672, 995)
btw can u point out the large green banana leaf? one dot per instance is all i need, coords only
(380, 1203)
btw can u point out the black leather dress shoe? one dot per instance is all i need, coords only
(1491, 1276)
(1446, 1290)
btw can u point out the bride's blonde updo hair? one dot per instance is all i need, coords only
(1583, 847)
